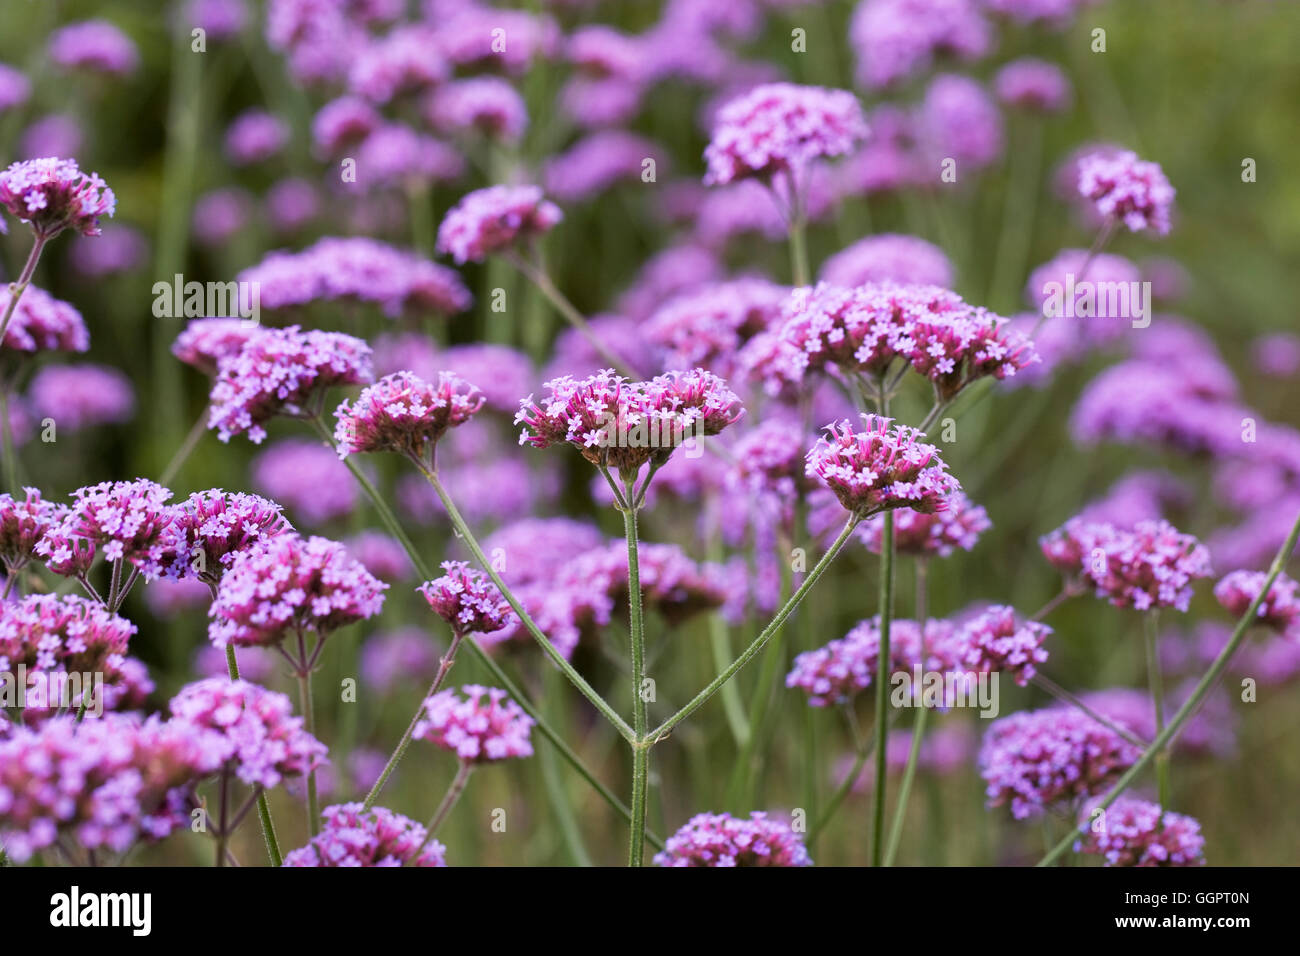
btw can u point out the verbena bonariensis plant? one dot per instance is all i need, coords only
(737, 412)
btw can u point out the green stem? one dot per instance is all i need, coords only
(1017, 218)
(568, 669)
(444, 666)
(799, 250)
(664, 729)
(448, 801)
(636, 620)
(882, 688)
(1193, 702)
(263, 808)
(309, 725)
(862, 752)
(7, 436)
(1155, 682)
(187, 448)
(918, 728)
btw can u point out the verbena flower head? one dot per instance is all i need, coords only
(42, 323)
(94, 45)
(532, 549)
(623, 425)
(261, 741)
(1130, 190)
(782, 128)
(393, 658)
(845, 667)
(52, 635)
(895, 39)
(382, 555)
(126, 520)
(484, 104)
(288, 585)
(1280, 609)
(54, 194)
(15, 89)
(467, 600)
(403, 413)
(307, 478)
(1133, 832)
(719, 839)
(22, 526)
(921, 535)
(597, 162)
(396, 156)
(282, 371)
(1034, 85)
(480, 727)
(1038, 759)
(880, 467)
(1151, 566)
(103, 783)
(706, 326)
(214, 526)
(342, 123)
(995, 642)
(61, 549)
(255, 136)
(494, 220)
(78, 396)
(205, 342)
(888, 257)
(353, 836)
(358, 269)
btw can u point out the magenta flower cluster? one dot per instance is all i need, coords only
(1134, 832)
(403, 413)
(939, 534)
(494, 220)
(479, 727)
(467, 600)
(354, 836)
(54, 194)
(1280, 608)
(719, 839)
(1130, 190)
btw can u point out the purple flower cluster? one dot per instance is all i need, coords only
(77, 396)
(597, 162)
(22, 526)
(782, 128)
(1280, 609)
(288, 585)
(843, 668)
(922, 535)
(260, 741)
(42, 323)
(719, 839)
(282, 371)
(880, 468)
(480, 727)
(485, 104)
(205, 342)
(467, 600)
(54, 194)
(358, 269)
(94, 45)
(888, 257)
(353, 836)
(995, 642)
(213, 526)
(255, 136)
(494, 220)
(1125, 188)
(706, 326)
(895, 39)
(308, 478)
(1034, 85)
(623, 425)
(123, 520)
(403, 413)
(1133, 832)
(1039, 759)
(51, 635)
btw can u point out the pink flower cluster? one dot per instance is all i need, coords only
(923, 535)
(124, 520)
(782, 128)
(880, 468)
(1133, 832)
(480, 727)
(1130, 190)
(42, 323)
(995, 641)
(105, 783)
(260, 740)
(289, 585)
(1043, 758)
(719, 839)
(403, 413)
(354, 836)
(358, 269)
(50, 634)
(205, 342)
(843, 668)
(54, 194)
(214, 526)
(467, 600)
(866, 328)
(282, 371)
(22, 526)
(620, 424)
(706, 326)
(493, 220)
(1280, 609)
(1149, 566)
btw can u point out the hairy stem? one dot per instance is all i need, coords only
(1156, 684)
(263, 808)
(918, 728)
(882, 688)
(309, 725)
(640, 749)
(448, 801)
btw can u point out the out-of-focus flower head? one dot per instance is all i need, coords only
(958, 120)
(719, 839)
(706, 326)
(921, 535)
(255, 136)
(888, 257)
(1134, 832)
(482, 726)
(495, 220)
(77, 396)
(404, 62)
(1129, 190)
(116, 249)
(307, 478)
(382, 555)
(96, 46)
(54, 194)
(599, 161)
(396, 156)
(15, 88)
(1033, 85)
(42, 323)
(895, 39)
(486, 105)
(833, 674)
(1280, 609)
